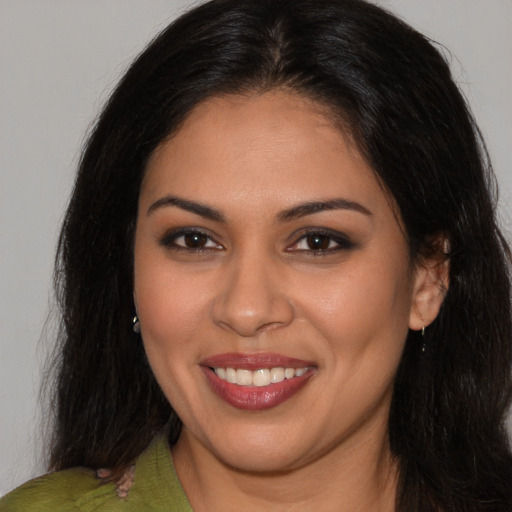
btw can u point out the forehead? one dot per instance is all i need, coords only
(276, 147)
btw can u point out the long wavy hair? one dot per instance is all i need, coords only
(393, 91)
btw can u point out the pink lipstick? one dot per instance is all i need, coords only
(256, 381)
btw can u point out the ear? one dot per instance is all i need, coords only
(430, 284)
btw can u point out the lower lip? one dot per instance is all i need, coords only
(254, 398)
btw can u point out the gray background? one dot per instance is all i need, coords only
(59, 60)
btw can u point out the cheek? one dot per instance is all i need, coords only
(167, 315)
(170, 309)
(363, 319)
(169, 305)
(364, 307)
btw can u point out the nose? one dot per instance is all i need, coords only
(252, 298)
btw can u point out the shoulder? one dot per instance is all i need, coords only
(154, 487)
(59, 491)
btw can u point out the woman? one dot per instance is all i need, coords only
(292, 202)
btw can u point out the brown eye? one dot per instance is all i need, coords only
(195, 240)
(321, 242)
(191, 240)
(318, 242)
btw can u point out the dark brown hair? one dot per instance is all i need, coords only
(393, 89)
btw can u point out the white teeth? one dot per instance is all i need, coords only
(289, 373)
(230, 375)
(260, 377)
(276, 375)
(244, 377)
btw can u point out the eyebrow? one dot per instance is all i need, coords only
(302, 210)
(296, 212)
(190, 206)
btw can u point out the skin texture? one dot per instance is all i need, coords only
(257, 285)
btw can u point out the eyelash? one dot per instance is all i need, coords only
(169, 240)
(342, 242)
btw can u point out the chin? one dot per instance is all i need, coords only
(262, 454)
(260, 462)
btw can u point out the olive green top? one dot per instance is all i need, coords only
(155, 488)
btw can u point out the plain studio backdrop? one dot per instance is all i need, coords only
(60, 59)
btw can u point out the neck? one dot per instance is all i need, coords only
(359, 475)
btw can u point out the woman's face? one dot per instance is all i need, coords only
(272, 282)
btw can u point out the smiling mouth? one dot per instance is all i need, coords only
(260, 377)
(256, 382)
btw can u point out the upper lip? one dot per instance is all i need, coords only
(254, 361)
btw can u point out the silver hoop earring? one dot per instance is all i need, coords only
(423, 339)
